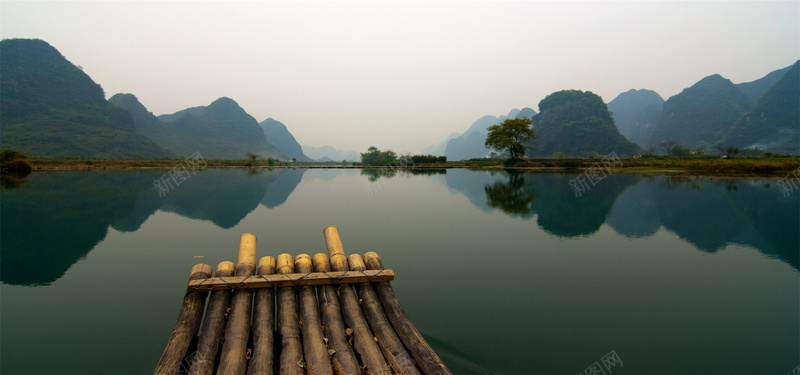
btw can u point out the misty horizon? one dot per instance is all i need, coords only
(403, 76)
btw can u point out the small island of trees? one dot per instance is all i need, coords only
(377, 158)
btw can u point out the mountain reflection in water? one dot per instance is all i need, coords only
(710, 213)
(70, 212)
(61, 216)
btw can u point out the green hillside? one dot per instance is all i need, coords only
(577, 123)
(774, 123)
(701, 115)
(754, 90)
(51, 108)
(636, 113)
(278, 135)
(221, 130)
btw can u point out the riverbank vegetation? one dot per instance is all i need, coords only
(743, 166)
(14, 168)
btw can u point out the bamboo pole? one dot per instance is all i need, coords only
(263, 360)
(390, 344)
(318, 361)
(294, 279)
(423, 354)
(363, 340)
(213, 326)
(291, 357)
(237, 332)
(186, 326)
(343, 359)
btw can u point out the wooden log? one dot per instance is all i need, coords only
(237, 332)
(390, 344)
(186, 326)
(333, 243)
(424, 356)
(213, 326)
(343, 360)
(314, 349)
(291, 358)
(292, 279)
(363, 340)
(263, 360)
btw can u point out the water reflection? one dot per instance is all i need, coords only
(618, 268)
(546, 196)
(562, 213)
(12, 181)
(14, 169)
(279, 185)
(61, 216)
(746, 212)
(511, 197)
(373, 174)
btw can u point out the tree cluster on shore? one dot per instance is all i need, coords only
(377, 158)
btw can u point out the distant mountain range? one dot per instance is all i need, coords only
(441, 147)
(636, 113)
(277, 134)
(756, 89)
(571, 122)
(51, 108)
(774, 122)
(221, 130)
(701, 115)
(329, 153)
(715, 113)
(471, 144)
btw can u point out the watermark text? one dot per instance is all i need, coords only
(177, 175)
(594, 174)
(604, 366)
(790, 183)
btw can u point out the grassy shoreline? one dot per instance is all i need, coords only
(727, 167)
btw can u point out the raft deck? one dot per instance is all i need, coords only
(326, 314)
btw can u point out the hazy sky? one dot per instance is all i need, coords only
(403, 75)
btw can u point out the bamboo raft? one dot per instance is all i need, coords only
(326, 314)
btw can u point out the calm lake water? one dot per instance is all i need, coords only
(502, 273)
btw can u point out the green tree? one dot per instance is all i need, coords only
(423, 159)
(252, 159)
(681, 152)
(370, 156)
(511, 135)
(375, 157)
(667, 147)
(10, 154)
(14, 168)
